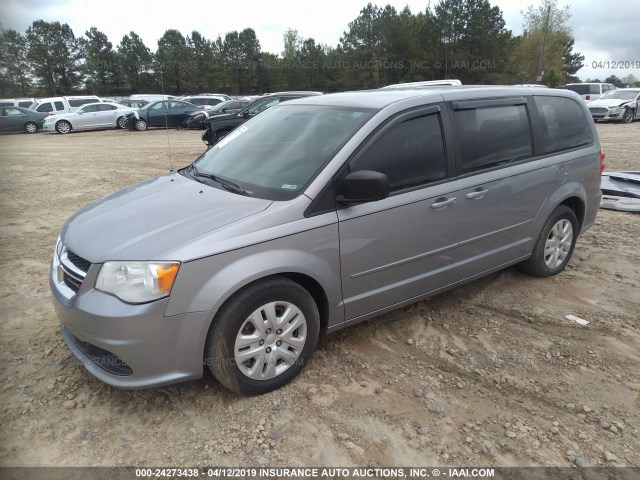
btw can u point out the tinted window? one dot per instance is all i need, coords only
(81, 101)
(579, 89)
(411, 153)
(45, 107)
(103, 107)
(594, 89)
(6, 104)
(59, 105)
(493, 136)
(564, 124)
(24, 104)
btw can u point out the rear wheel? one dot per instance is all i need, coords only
(553, 249)
(141, 125)
(30, 127)
(263, 336)
(63, 127)
(628, 116)
(121, 122)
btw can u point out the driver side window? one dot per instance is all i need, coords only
(410, 153)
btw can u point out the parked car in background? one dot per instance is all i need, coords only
(17, 102)
(92, 116)
(319, 214)
(621, 191)
(202, 100)
(622, 105)
(217, 127)
(589, 91)
(197, 119)
(133, 103)
(18, 119)
(53, 105)
(165, 113)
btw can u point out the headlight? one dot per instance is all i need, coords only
(137, 282)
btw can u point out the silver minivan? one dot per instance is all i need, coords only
(318, 214)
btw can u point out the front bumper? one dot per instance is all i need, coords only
(125, 345)
(602, 113)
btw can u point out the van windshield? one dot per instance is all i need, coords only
(275, 154)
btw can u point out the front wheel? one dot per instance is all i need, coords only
(30, 127)
(263, 336)
(628, 116)
(553, 249)
(141, 125)
(121, 122)
(63, 127)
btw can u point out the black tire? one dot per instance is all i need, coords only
(628, 116)
(63, 127)
(30, 127)
(121, 122)
(141, 125)
(234, 317)
(538, 264)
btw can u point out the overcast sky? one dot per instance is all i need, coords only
(604, 31)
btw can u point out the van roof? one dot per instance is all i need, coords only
(380, 98)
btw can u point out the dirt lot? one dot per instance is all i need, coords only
(488, 374)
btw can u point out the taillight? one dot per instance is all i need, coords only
(46, 115)
(588, 97)
(602, 156)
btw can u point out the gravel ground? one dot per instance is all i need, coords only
(487, 374)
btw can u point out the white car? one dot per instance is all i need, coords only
(92, 116)
(622, 105)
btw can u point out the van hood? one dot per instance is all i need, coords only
(141, 222)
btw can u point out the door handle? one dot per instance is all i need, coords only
(443, 203)
(476, 194)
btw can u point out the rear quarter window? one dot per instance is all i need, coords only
(564, 124)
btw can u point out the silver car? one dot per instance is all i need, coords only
(92, 116)
(622, 105)
(317, 214)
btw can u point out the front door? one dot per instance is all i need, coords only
(403, 246)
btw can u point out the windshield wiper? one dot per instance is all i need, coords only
(232, 187)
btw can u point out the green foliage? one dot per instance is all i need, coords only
(134, 59)
(14, 67)
(54, 54)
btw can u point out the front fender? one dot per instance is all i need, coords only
(205, 284)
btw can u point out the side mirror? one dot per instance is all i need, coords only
(364, 186)
(245, 114)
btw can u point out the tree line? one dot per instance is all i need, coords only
(464, 39)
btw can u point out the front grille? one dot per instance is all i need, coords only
(598, 110)
(79, 262)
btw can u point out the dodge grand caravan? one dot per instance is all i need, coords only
(318, 214)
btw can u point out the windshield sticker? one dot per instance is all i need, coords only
(289, 187)
(235, 134)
